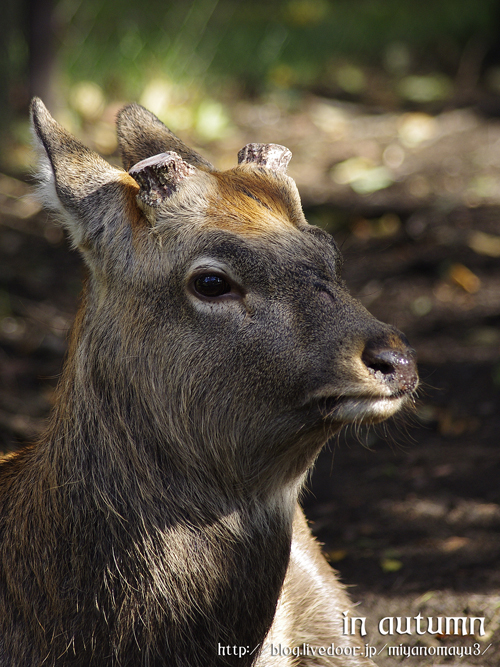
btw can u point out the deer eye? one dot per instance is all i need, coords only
(211, 285)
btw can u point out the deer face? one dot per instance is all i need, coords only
(212, 300)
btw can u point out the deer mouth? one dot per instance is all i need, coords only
(361, 408)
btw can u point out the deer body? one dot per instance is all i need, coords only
(214, 353)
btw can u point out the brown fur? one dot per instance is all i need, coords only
(157, 518)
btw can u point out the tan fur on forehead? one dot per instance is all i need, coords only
(252, 201)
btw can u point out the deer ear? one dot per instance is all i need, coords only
(91, 197)
(141, 135)
(270, 156)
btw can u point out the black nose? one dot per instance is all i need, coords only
(393, 366)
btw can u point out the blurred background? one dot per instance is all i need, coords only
(392, 112)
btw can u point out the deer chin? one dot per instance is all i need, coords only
(361, 409)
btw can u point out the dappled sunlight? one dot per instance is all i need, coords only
(392, 118)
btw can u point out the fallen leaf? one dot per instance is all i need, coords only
(464, 278)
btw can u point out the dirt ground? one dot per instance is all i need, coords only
(409, 512)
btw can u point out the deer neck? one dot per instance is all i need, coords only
(191, 554)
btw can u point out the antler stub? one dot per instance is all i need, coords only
(271, 156)
(159, 176)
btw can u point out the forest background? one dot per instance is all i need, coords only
(391, 110)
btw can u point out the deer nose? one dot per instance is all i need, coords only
(396, 368)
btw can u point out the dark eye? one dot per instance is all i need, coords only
(211, 285)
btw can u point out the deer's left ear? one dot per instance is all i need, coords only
(142, 135)
(91, 197)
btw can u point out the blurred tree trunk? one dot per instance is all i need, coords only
(41, 34)
(10, 21)
(28, 49)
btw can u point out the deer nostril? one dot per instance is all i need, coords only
(393, 367)
(384, 360)
(384, 368)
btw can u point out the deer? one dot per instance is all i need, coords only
(215, 350)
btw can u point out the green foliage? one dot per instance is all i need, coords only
(186, 59)
(120, 44)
